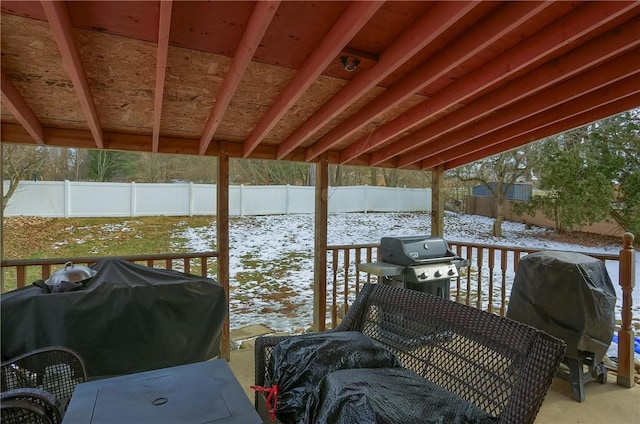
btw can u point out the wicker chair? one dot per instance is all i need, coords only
(499, 365)
(27, 405)
(37, 385)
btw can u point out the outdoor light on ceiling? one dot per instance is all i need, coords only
(350, 63)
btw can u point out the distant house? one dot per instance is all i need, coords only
(519, 191)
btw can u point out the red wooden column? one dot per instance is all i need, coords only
(625, 335)
(222, 229)
(437, 201)
(320, 244)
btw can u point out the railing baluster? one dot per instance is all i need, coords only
(347, 264)
(358, 258)
(492, 260)
(334, 295)
(369, 259)
(503, 267)
(469, 258)
(21, 274)
(186, 265)
(458, 279)
(479, 265)
(45, 272)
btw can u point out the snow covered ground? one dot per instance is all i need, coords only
(272, 257)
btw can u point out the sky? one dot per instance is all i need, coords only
(274, 254)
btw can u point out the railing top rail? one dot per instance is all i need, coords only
(95, 259)
(601, 256)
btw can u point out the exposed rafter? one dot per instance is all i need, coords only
(58, 18)
(611, 71)
(473, 41)
(347, 26)
(260, 19)
(20, 109)
(164, 27)
(433, 23)
(587, 116)
(440, 81)
(566, 30)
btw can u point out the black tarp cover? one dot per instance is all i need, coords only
(387, 395)
(568, 295)
(128, 318)
(299, 363)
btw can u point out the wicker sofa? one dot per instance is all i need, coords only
(499, 365)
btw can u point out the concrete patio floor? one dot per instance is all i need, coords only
(604, 404)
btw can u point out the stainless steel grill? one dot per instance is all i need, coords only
(422, 263)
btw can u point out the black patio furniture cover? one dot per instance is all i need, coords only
(128, 318)
(568, 295)
(387, 395)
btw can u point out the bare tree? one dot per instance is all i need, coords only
(498, 174)
(20, 163)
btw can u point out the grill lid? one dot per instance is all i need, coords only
(411, 250)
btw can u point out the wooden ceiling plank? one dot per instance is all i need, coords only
(347, 26)
(58, 17)
(20, 109)
(592, 80)
(584, 57)
(259, 21)
(541, 45)
(609, 109)
(474, 40)
(435, 21)
(164, 30)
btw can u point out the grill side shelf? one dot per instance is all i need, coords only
(381, 269)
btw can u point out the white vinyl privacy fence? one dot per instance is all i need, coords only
(89, 199)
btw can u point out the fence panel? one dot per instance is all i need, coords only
(91, 199)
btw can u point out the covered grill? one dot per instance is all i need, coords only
(570, 296)
(421, 263)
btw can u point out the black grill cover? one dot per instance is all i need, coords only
(568, 295)
(129, 318)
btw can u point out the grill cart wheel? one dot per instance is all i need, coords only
(599, 373)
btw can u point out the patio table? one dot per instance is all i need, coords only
(202, 392)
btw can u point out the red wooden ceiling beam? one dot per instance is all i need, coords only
(474, 40)
(17, 105)
(164, 27)
(347, 26)
(259, 21)
(600, 112)
(435, 21)
(536, 48)
(560, 113)
(58, 17)
(607, 73)
(587, 55)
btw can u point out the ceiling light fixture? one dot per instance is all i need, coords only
(350, 63)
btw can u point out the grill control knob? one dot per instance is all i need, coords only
(423, 276)
(437, 274)
(451, 272)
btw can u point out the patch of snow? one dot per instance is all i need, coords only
(271, 257)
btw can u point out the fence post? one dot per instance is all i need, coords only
(286, 206)
(366, 199)
(67, 198)
(241, 199)
(132, 193)
(625, 335)
(191, 198)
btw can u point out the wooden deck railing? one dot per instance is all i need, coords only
(482, 284)
(16, 273)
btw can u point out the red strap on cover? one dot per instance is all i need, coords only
(272, 395)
